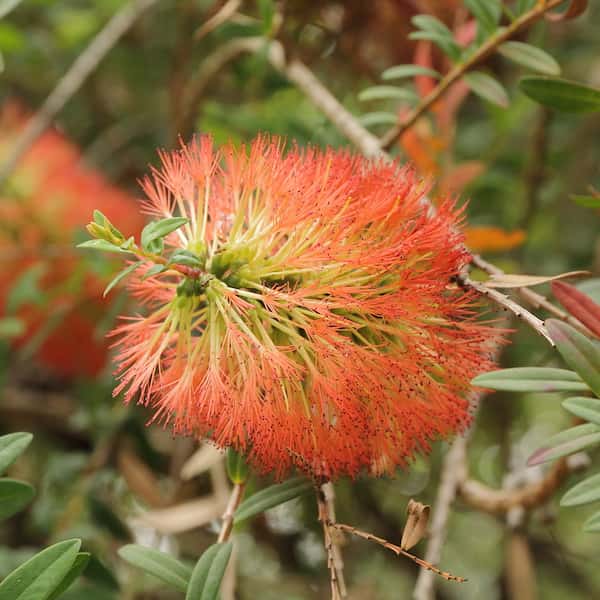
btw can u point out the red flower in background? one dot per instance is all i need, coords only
(50, 286)
(322, 329)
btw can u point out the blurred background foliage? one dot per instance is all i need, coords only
(93, 462)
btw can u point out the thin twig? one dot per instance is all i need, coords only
(532, 297)
(73, 79)
(237, 493)
(507, 303)
(459, 70)
(221, 16)
(324, 518)
(397, 550)
(338, 561)
(493, 501)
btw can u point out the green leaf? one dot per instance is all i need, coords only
(155, 270)
(530, 56)
(102, 245)
(446, 44)
(159, 564)
(121, 275)
(405, 71)
(580, 353)
(208, 573)
(26, 289)
(14, 495)
(42, 574)
(185, 257)
(378, 118)
(11, 327)
(237, 469)
(486, 12)
(272, 496)
(157, 230)
(584, 492)
(81, 562)
(12, 446)
(524, 5)
(486, 87)
(566, 442)
(592, 525)
(531, 379)
(585, 408)
(267, 12)
(386, 92)
(586, 201)
(561, 94)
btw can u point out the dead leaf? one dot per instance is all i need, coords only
(201, 461)
(140, 479)
(416, 524)
(517, 281)
(576, 8)
(184, 516)
(580, 305)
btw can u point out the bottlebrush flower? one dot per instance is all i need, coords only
(300, 308)
(54, 290)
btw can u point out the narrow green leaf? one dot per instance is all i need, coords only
(14, 495)
(486, 12)
(585, 408)
(592, 525)
(185, 257)
(272, 496)
(102, 245)
(120, 276)
(405, 71)
(378, 118)
(561, 94)
(584, 492)
(445, 43)
(530, 56)
(430, 23)
(11, 327)
(487, 87)
(237, 468)
(157, 230)
(40, 575)
(208, 573)
(531, 379)
(81, 562)
(566, 442)
(580, 353)
(12, 446)
(386, 92)
(524, 5)
(159, 564)
(155, 270)
(586, 201)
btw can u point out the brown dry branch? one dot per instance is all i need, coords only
(73, 79)
(397, 550)
(541, 8)
(494, 501)
(338, 561)
(221, 16)
(328, 537)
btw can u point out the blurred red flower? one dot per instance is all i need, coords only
(324, 330)
(54, 289)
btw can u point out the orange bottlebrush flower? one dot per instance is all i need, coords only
(493, 239)
(43, 207)
(318, 326)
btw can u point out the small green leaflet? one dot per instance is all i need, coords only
(159, 564)
(208, 573)
(157, 230)
(386, 92)
(584, 492)
(272, 496)
(121, 275)
(566, 442)
(530, 56)
(406, 71)
(14, 495)
(37, 578)
(584, 408)
(81, 562)
(378, 118)
(487, 87)
(586, 201)
(102, 245)
(561, 94)
(531, 379)
(12, 446)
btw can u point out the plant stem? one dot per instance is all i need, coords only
(459, 70)
(237, 493)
